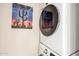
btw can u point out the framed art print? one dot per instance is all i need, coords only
(22, 16)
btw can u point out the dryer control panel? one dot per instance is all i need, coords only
(45, 51)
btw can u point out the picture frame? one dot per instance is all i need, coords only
(22, 16)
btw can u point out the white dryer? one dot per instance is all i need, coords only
(59, 30)
(51, 31)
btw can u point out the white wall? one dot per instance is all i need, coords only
(18, 41)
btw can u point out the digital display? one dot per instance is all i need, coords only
(47, 18)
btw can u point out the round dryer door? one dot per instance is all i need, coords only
(49, 20)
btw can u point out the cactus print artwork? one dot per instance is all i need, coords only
(21, 16)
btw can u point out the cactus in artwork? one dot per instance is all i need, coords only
(22, 14)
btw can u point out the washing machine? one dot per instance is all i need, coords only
(58, 26)
(50, 25)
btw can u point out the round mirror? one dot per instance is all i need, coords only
(48, 20)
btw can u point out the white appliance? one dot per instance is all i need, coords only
(53, 41)
(63, 40)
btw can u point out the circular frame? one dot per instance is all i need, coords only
(50, 31)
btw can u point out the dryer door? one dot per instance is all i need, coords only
(48, 20)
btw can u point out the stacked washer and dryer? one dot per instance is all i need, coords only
(56, 25)
(59, 30)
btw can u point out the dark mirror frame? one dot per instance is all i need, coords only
(51, 30)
